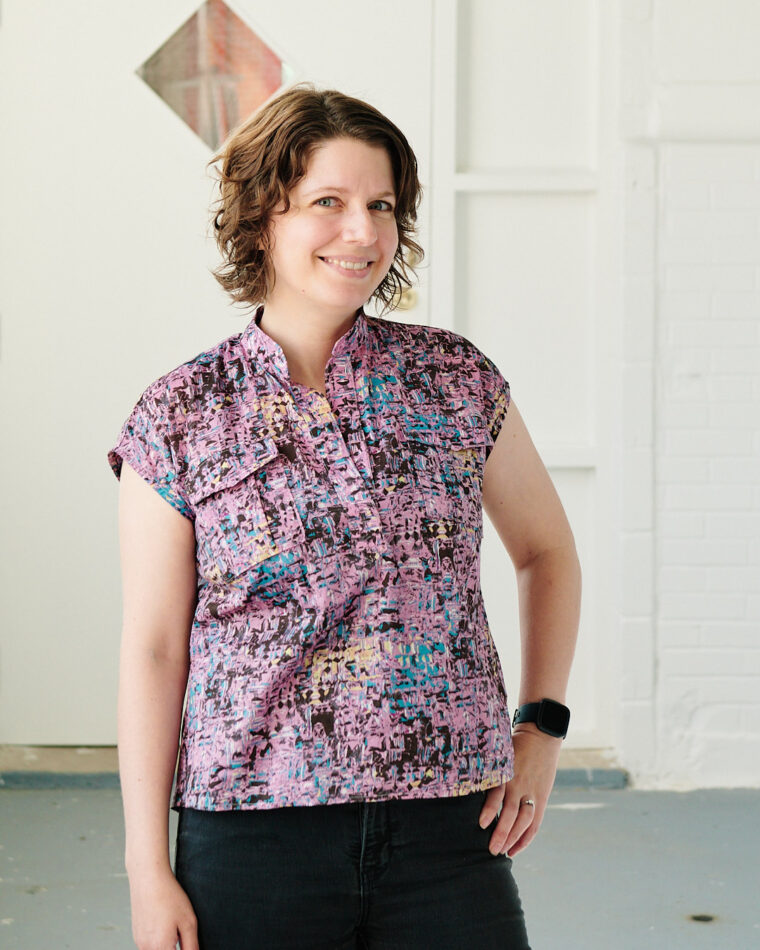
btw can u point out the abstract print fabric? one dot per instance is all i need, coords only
(340, 649)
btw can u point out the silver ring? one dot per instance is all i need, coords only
(528, 801)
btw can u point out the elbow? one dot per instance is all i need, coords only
(563, 556)
(156, 647)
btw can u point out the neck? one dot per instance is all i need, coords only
(307, 339)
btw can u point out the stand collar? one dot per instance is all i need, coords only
(267, 352)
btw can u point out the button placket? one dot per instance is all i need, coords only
(347, 416)
(334, 500)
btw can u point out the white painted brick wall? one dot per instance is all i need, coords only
(689, 711)
(636, 740)
(707, 466)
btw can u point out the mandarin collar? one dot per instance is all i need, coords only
(264, 350)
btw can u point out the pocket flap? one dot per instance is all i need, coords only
(218, 467)
(434, 425)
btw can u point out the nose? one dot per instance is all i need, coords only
(359, 227)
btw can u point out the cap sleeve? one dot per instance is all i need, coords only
(496, 397)
(147, 444)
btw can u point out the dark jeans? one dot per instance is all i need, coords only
(393, 875)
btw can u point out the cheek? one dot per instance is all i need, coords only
(390, 242)
(318, 233)
(300, 239)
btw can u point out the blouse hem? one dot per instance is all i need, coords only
(202, 803)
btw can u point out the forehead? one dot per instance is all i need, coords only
(348, 163)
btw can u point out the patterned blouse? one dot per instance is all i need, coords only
(340, 649)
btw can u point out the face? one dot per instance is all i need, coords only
(337, 241)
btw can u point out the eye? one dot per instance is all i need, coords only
(320, 202)
(386, 205)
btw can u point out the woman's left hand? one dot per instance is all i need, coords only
(536, 757)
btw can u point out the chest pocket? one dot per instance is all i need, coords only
(245, 512)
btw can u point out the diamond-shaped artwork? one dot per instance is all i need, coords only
(214, 71)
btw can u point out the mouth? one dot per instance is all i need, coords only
(352, 267)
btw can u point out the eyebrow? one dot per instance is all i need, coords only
(335, 188)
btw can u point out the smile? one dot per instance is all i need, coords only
(347, 265)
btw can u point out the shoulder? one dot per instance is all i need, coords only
(421, 342)
(450, 369)
(199, 385)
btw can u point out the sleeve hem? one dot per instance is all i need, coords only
(501, 412)
(120, 453)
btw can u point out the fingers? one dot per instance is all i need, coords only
(525, 826)
(514, 822)
(524, 840)
(188, 935)
(492, 805)
(518, 821)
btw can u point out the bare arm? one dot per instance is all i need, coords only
(523, 505)
(159, 588)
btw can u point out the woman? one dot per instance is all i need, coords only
(346, 776)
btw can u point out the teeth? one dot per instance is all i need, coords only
(349, 265)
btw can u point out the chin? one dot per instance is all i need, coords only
(349, 303)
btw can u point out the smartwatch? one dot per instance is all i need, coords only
(549, 716)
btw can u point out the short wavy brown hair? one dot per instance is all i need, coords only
(267, 155)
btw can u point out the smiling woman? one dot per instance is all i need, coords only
(262, 170)
(300, 520)
(336, 241)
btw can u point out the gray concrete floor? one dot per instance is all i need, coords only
(619, 870)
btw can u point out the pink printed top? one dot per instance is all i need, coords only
(340, 649)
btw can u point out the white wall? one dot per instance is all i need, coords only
(105, 286)
(690, 711)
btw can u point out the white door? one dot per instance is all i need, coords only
(107, 255)
(524, 150)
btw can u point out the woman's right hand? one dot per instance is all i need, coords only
(162, 915)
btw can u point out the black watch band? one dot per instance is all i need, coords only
(549, 716)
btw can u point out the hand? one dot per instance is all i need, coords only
(536, 757)
(162, 914)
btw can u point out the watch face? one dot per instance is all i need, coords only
(553, 718)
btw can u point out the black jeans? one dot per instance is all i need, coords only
(392, 875)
